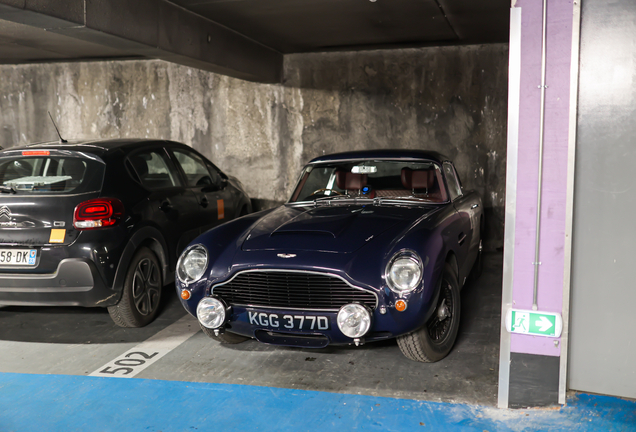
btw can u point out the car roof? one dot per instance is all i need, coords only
(98, 147)
(398, 154)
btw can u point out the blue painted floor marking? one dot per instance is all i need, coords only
(79, 403)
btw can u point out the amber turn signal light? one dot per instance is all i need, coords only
(185, 294)
(400, 305)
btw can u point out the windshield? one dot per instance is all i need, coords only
(371, 179)
(48, 174)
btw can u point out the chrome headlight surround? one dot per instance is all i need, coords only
(192, 264)
(404, 271)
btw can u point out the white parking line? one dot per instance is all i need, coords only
(148, 352)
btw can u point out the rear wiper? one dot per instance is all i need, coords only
(7, 189)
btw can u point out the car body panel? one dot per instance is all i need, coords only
(102, 255)
(352, 240)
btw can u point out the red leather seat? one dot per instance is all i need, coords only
(347, 180)
(424, 182)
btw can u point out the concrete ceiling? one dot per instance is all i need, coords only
(241, 38)
(291, 26)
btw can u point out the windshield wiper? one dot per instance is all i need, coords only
(342, 199)
(7, 189)
(403, 200)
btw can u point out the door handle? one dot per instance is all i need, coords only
(165, 206)
(204, 202)
(474, 206)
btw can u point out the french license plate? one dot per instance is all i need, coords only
(18, 257)
(288, 321)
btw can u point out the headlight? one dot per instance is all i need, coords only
(192, 264)
(404, 271)
(211, 312)
(354, 320)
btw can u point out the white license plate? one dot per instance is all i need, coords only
(288, 321)
(18, 257)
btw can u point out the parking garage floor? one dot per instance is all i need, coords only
(56, 362)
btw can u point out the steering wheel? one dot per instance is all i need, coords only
(326, 189)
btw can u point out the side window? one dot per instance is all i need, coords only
(453, 183)
(214, 173)
(154, 170)
(194, 168)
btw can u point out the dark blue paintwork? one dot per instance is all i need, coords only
(352, 241)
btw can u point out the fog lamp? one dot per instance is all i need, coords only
(211, 312)
(354, 320)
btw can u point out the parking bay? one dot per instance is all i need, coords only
(81, 341)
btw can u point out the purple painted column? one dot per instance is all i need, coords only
(532, 369)
(555, 162)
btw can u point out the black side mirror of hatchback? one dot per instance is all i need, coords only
(220, 185)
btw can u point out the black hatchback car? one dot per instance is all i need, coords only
(103, 223)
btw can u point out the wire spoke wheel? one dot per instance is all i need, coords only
(435, 339)
(440, 323)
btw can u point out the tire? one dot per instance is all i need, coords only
(225, 338)
(141, 295)
(478, 267)
(434, 341)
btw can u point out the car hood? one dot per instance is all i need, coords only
(337, 229)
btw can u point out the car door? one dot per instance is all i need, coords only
(206, 185)
(171, 206)
(462, 203)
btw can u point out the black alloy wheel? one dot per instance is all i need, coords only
(146, 286)
(141, 294)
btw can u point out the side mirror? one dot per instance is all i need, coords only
(219, 185)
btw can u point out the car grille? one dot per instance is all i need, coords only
(296, 290)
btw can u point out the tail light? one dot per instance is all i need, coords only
(97, 213)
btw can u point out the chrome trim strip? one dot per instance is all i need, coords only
(334, 311)
(514, 88)
(264, 270)
(569, 202)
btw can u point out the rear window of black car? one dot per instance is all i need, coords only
(48, 173)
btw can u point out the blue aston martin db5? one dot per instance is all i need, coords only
(371, 245)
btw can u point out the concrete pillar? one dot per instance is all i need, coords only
(533, 367)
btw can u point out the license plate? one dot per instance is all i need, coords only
(288, 321)
(18, 257)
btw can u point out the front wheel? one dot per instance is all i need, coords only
(434, 341)
(140, 298)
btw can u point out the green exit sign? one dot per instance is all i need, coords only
(534, 323)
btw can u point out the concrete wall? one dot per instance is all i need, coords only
(450, 99)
